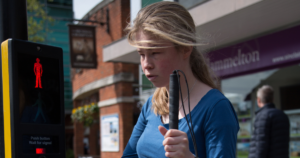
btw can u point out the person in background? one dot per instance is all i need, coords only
(165, 36)
(271, 135)
(85, 149)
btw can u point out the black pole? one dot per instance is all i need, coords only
(13, 24)
(13, 20)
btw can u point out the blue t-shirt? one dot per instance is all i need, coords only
(215, 125)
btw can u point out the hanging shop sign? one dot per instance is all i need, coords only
(267, 52)
(82, 46)
(110, 133)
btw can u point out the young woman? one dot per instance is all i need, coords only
(165, 36)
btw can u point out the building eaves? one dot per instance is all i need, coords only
(96, 8)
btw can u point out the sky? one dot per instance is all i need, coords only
(81, 7)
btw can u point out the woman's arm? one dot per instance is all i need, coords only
(221, 130)
(130, 150)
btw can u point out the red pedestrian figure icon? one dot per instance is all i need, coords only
(38, 70)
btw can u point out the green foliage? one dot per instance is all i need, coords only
(85, 114)
(37, 19)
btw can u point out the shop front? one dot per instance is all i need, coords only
(273, 60)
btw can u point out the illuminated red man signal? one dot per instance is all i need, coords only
(38, 71)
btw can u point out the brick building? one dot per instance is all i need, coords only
(110, 84)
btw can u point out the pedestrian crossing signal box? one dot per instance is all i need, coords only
(33, 105)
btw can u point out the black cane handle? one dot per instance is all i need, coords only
(173, 100)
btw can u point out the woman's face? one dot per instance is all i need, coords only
(159, 63)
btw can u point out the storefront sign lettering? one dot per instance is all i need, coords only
(239, 59)
(268, 52)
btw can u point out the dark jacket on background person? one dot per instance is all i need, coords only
(271, 135)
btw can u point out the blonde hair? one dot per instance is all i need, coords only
(170, 21)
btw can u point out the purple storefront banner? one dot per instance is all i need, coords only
(267, 52)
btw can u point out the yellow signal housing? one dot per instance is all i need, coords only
(6, 99)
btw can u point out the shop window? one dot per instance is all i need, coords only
(241, 91)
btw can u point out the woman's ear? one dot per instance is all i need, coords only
(187, 51)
